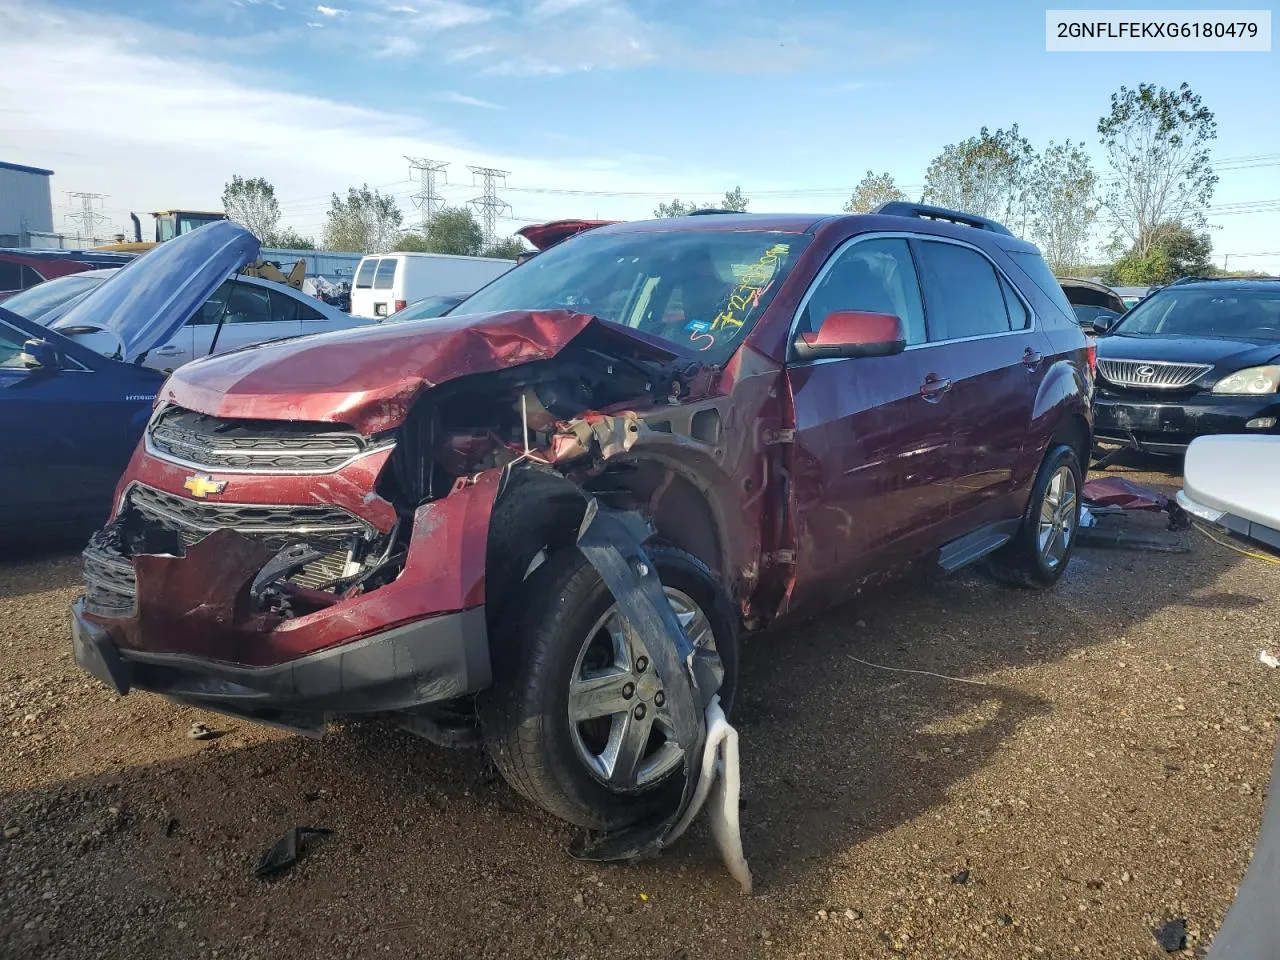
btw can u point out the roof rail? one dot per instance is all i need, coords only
(900, 208)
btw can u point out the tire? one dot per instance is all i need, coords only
(543, 645)
(1024, 561)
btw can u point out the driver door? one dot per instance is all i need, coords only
(871, 465)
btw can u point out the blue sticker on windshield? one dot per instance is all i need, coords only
(698, 326)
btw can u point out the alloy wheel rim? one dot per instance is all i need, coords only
(619, 718)
(1057, 524)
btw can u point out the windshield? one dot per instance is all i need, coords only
(425, 308)
(1206, 312)
(699, 289)
(44, 297)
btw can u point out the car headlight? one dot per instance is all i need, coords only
(1254, 380)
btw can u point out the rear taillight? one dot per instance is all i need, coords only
(401, 304)
(1091, 351)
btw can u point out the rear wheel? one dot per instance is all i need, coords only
(577, 720)
(1040, 551)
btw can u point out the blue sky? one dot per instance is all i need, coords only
(158, 102)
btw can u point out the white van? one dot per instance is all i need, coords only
(392, 281)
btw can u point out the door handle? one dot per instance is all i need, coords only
(1032, 357)
(934, 387)
(169, 351)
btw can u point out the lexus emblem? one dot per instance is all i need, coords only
(1145, 372)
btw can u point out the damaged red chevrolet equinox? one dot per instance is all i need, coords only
(394, 521)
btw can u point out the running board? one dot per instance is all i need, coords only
(974, 546)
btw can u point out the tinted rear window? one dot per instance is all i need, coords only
(962, 294)
(1033, 266)
(364, 277)
(386, 275)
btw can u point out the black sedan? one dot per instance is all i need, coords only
(1196, 357)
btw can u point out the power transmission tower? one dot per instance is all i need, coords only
(427, 199)
(87, 219)
(489, 203)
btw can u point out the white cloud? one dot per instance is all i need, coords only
(554, 8)
(312, 23)
(452, 96)
(331, 11)
(192, 122)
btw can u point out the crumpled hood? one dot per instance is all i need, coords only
(151, 297)
(368, 378)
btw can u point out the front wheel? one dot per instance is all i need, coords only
(578, 720)
(1041, 549)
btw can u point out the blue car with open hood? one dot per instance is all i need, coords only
(74, 401)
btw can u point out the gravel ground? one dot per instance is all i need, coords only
(1110, 771)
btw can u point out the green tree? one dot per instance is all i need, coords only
(872, 191)
(985, 175)
(454, 230)
(676, 208)
(1172, 251)
(413, 241)
(733, 201)
(1062, 204)
(252, 204)
(506, 249)
(288, 238)
(367, 221)
(1157, 144)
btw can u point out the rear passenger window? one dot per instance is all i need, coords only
(386, 275)
(961, 291)
(364, 276)
(1019, 316)
(283, 306)
(878, 276)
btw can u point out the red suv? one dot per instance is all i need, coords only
(394, 520)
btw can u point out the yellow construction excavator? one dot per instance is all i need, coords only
(174, 223)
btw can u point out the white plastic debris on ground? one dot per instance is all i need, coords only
(1087, 519)
(720, 781)
(1268, 659)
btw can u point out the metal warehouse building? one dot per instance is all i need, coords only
(26, 206)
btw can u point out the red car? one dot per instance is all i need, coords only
(433, 519)
(22, 269)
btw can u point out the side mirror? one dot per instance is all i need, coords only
(1104, 321)
(39, 355)
(853, 333)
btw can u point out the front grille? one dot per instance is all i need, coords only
(327, 528)
(108, 580)
(1151, 374)
(195, 519)
(258, 445)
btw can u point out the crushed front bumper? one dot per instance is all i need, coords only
(430, 661)
(1168, 426)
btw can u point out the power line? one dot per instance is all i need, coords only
(427, 199)
(489, 203)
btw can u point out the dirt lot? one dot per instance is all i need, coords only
(1111, 770)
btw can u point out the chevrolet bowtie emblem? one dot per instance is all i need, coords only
(200, 486)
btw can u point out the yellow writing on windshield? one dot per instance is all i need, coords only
(752, 284)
